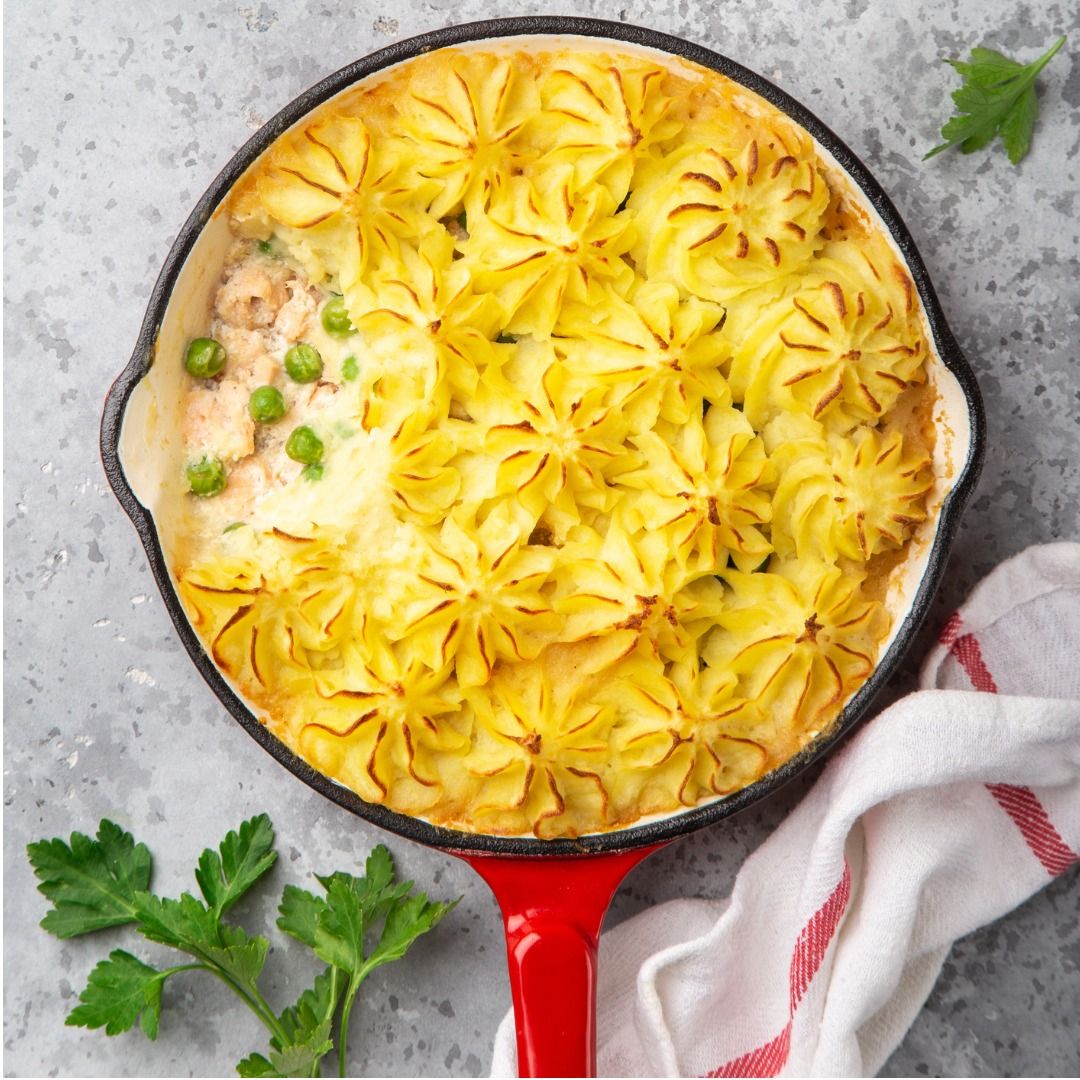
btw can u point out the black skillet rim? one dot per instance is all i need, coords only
(675, 824)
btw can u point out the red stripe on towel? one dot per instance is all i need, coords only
(815, 937)
(1020, 803)
(967, 650)
(810, 948)
(766, 1060)
(951, 630)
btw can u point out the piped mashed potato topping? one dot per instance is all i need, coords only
(616, 430)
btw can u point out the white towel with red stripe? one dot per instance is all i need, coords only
(940, 815)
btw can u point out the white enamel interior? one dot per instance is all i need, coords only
(151, 449)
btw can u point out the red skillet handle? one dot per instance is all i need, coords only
(552, 910)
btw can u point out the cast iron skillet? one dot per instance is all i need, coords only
(553, 893)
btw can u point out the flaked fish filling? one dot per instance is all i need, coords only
(262, 308)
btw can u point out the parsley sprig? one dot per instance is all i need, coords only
(359, 924)
(997, 97)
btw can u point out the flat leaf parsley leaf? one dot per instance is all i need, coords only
(91, 883)
(360, 923)
(997, 97)
(121, 990)
(243, 857)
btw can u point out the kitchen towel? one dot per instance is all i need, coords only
(940, 815)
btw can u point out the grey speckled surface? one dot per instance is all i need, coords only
(117, 117)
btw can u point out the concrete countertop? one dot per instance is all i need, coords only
(118, 116)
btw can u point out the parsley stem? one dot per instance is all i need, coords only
(1048, 55)
(343, 1030)
(331, 1009)
(183, 967)
(254, 1000)
(1031, 73)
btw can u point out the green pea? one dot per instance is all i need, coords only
(305, 446)
(266, 247)
(205, 358)
(266, 405)
(303, 363)
(206, 477)
(350, 368)
(335, 318)
(312, 472)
